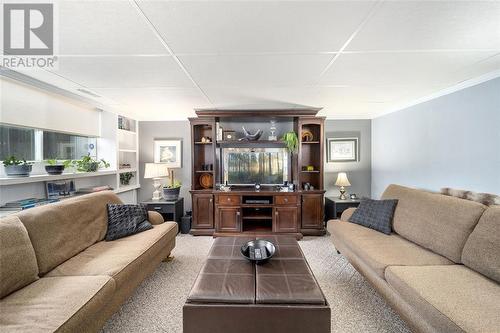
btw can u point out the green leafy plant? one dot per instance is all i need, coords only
(291, 140)
(12, 160)
(66, 163)
(89, 164)
(173, 185)
(125, 177)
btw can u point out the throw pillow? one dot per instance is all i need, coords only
(375, 214)
(126, 220)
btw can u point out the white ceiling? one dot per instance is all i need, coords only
(157, 60)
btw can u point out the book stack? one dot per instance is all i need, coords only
(18, 205)
(93, 189)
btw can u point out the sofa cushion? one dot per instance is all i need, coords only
(375, 214)
(52, 304)
(482, 250)
(63, 229)
(18, 266)
(452, 298)
(437, 222)
(121, 258)
(126, 220)
(379, 250)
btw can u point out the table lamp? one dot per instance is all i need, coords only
(342, 181)
(156, 171)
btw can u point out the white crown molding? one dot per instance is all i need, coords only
(460, 86)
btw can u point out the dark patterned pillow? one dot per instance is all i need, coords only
(126, 220)
(375, 214)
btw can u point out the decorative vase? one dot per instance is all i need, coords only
(22, 170)
(54, 169)
(171, 194)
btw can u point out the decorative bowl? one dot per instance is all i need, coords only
(259, 251)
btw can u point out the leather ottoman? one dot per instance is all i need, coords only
(232, 294)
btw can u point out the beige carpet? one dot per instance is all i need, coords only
(156, 305)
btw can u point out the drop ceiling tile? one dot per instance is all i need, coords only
(104, 27)
(123, 72)
(401, 69)
(255, 26)
(233, 70)
(157, 103)
(262, 96)
(415, 25)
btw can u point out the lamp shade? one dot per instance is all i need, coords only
(342, 180)
(156, 170)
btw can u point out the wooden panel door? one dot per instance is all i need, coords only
(228, 219)
(312, 211)
(203, 211)
(285, 219)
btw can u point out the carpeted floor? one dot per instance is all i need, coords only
(156, 306)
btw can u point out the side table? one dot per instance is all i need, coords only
(335, 206)
(170, 210)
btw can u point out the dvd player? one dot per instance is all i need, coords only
(258, 201)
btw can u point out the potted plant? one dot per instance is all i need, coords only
(54, 167)
(17, 168)
(125, 178)
(171, 192)
(291, 140)
(89, 164)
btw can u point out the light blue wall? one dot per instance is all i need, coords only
(451, 141)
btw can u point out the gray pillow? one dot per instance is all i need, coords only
(126, 220)
(375, 214)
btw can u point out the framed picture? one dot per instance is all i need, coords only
(342, 149)
(168, 151)
(59, 189)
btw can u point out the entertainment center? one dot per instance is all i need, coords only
(227, 165)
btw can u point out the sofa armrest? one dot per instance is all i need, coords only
(346, 214)
(155, 217)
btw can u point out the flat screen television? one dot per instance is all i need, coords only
(248, 166)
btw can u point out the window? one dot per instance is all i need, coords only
(36, 145)
(18, 142)
(66, 146)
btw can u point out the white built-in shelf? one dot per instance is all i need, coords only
(127, 170)
(127, 188)
(127, 150)
(46, 177)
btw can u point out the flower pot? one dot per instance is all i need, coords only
(171, 194)
(54, 169)
(22, 170)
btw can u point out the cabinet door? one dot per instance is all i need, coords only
(228, 219)
(285, 219)
(312, 211)
(203, 211)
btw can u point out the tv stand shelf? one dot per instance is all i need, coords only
(245, 210)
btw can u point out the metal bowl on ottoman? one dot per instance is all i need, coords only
(259, 250)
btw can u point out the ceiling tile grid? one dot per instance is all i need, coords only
(158, 60)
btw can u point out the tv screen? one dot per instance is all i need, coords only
(248, 166)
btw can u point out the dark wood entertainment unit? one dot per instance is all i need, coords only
(244, 210)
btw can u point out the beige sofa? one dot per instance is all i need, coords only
(440, 269)
(57, 274)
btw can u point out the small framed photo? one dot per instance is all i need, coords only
(168, 151)
(342, 149)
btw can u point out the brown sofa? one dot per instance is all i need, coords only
(57, 274)
(439, 269)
